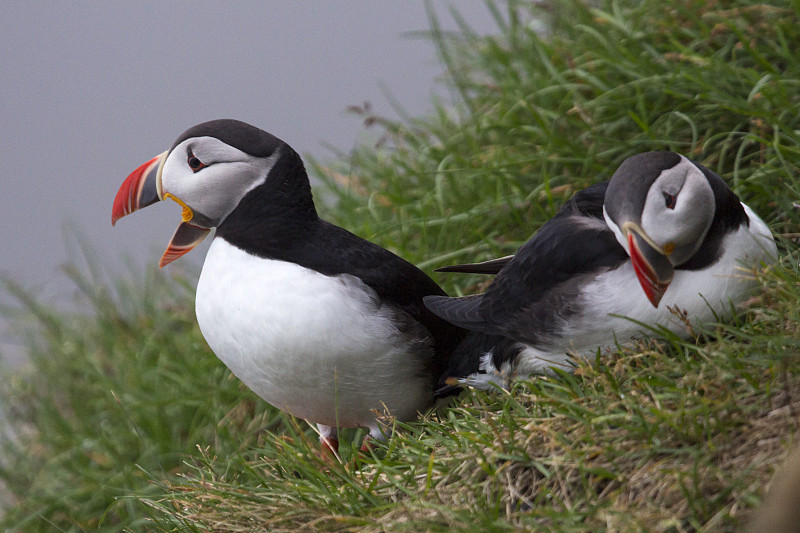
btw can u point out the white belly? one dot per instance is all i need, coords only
(319, 347)
(705, 296)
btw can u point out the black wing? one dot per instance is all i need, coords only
(396, 281)
(463, 312)
(493, 266)
(531, 294)
(587, 202)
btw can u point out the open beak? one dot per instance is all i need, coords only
(142, 188)
(651, 264)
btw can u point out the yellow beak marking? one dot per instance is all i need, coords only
(187, 214)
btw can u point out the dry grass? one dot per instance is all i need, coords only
(671, 436)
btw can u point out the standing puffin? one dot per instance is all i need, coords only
(664, 237)
(318, 322)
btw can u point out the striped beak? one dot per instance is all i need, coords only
(650, 262)
(142, 188)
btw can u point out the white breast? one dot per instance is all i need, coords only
(322, 348)
(706, 296)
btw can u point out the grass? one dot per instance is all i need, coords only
(677, 436)
(113, 400)
(126, 421)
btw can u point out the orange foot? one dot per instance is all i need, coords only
(367, 445)
(330, 445)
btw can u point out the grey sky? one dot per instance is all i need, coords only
(89, 91)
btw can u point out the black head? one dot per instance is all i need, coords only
(235, 133)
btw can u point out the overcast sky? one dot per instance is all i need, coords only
(89, 91)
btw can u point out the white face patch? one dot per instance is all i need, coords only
(683, 226)
(215, 190)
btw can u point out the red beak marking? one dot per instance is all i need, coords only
(652, 288)
(127, 199)
(185, 238)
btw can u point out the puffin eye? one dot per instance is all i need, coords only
(194, 163)
(669, 200)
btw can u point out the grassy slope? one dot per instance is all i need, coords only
(674, 436)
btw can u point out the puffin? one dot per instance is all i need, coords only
(662, 244)
(317, 321)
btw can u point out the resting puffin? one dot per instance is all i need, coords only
(318, 322)
(665, 234)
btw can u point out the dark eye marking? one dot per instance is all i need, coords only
(195, 164)
(670, 200)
